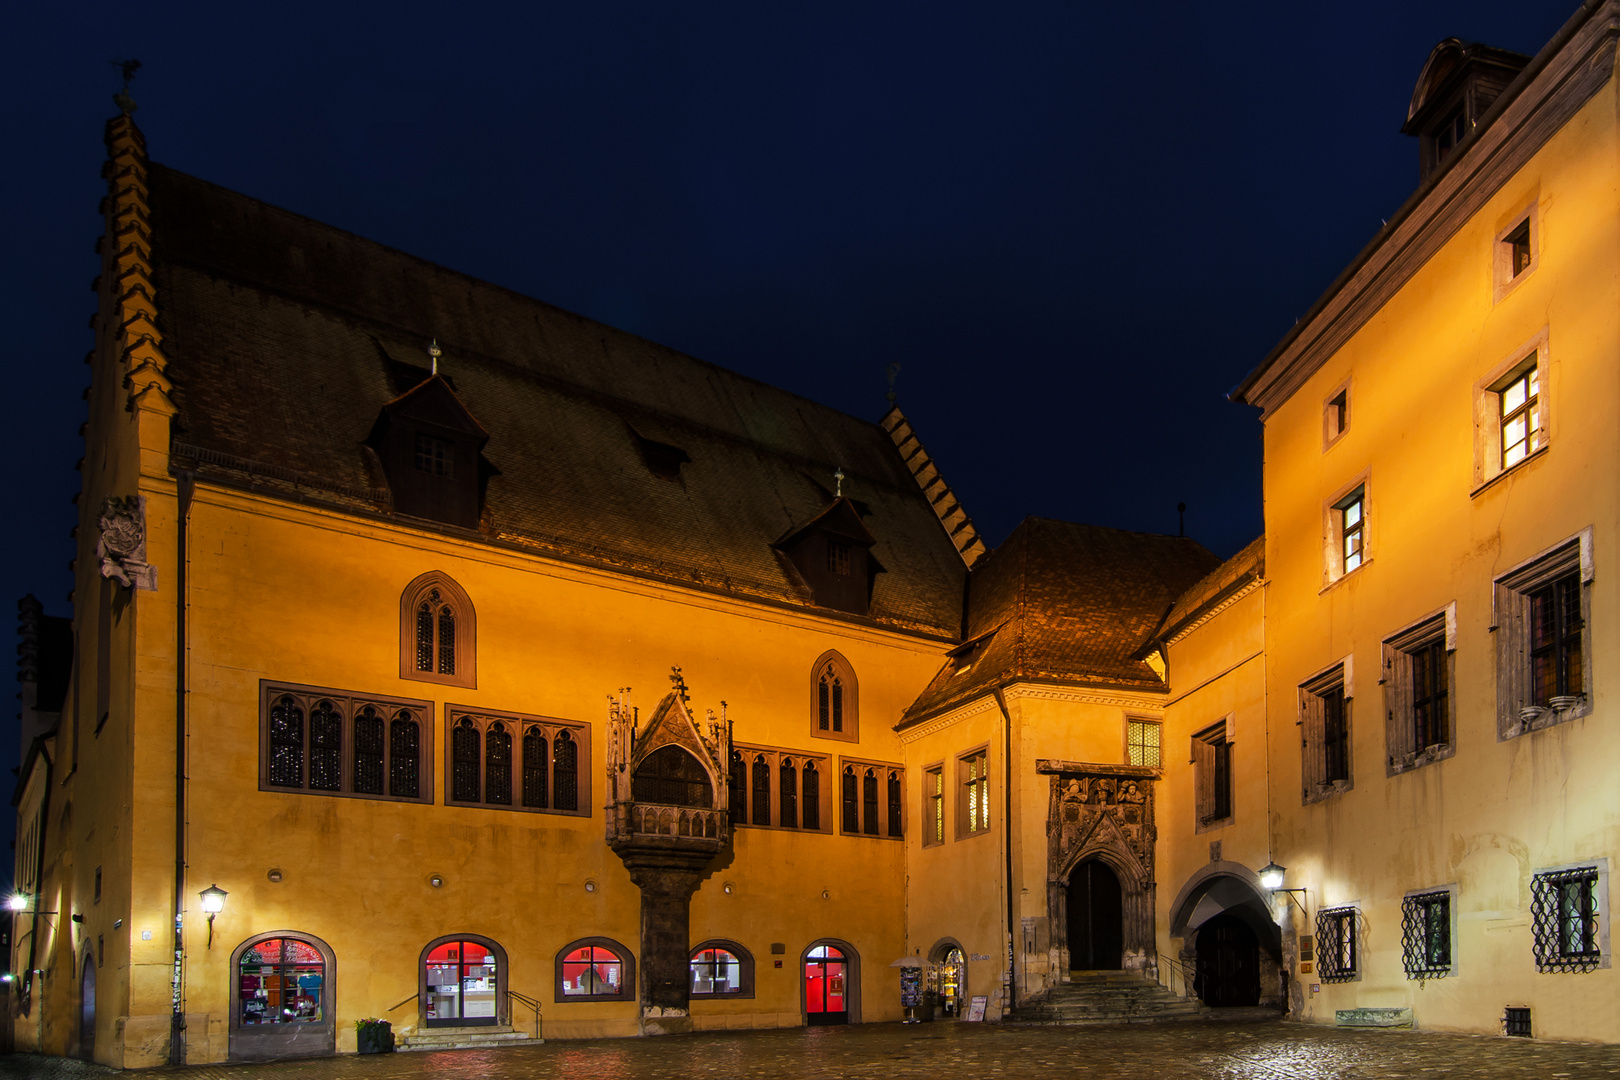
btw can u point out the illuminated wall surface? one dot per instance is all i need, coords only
(1401, 693)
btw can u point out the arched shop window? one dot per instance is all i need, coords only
(722, 969)
(463, 982)
(281, 985)
(595, 969)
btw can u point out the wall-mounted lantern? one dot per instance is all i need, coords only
(213, 902)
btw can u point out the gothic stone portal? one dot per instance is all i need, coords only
(1101, 814)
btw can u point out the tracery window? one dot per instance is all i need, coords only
(437, 632)
(834, 699)
(595, 969)
(513, 761)
(332, 742)
(872, 799)
(776, 788)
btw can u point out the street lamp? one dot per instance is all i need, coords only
(213, 902)
(17, 902)
(1271, 880)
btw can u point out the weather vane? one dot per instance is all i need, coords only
(434, 353)
(128, 68)
(838, 478)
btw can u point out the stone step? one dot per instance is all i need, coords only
(1108, 997)
(464, 1038)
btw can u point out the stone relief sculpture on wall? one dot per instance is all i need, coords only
(122, 546)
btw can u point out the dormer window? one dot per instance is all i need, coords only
(1452, 132)
(1459, 83)
(435, 456)
(831, 557)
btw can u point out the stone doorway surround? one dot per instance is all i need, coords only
(1102, 812)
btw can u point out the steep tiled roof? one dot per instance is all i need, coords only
(1215, 590)
(285, 338)
(1069, 603)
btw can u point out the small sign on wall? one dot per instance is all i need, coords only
(978, 956)
(976, 1006)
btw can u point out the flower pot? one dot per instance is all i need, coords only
(375, 1038)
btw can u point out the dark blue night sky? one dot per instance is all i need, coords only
(1074, 226)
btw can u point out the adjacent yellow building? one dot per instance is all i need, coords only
(514, 677)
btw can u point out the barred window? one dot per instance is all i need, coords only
(1544, 648)
(513, 761)
(1338, 955)
(776, 788)
(437, 632)
(1325, 729)
(1142, 742)
(1426, 935)
(1565, 914)
(333, 742)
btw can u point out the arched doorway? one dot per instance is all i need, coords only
(87, 1009)
(282, 986)
(950, 974)
(831, 984)
(1096, 920)
(1228, 962)
(463, 982)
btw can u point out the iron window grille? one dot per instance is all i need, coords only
(1426, 935)
(1564, 916)
(1142, 742)
(1338, 954)
(1516, 1022)
(934, 783)
(974, 783)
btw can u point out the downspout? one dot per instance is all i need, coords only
(177, 1021)
(1006, 846)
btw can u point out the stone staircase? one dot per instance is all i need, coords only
(1108, 997)
(465, 1038)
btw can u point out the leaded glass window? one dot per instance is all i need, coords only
(788, 781)
(536, 766)
(852, 800)
(435, 635)
(565, 773)
(1142, 742)
(286, 744)
(447, 641)
(738, 786)
(368, 752)
(975, 813)
(812, 796)
(438, 632)
(869, 802)
(405, 756)
(896, 804)
(761, 813)
(497, 764)
(465, 742)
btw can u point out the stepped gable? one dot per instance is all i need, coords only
(1062, 602)
(285, 337)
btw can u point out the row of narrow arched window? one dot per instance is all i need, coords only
(783, 789)
(344, 745)
(329, 742)
(543, 774)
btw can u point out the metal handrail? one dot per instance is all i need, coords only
(1187, 988)
(532, 1003)
(407, 1001)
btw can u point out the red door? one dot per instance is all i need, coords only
(826, 998)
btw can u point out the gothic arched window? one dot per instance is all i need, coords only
(565, 773)
(536, 766)
(332, 742)
(405, 756)
(497, 764)
(465, 741)
(437, 632)
(368, 751)
(512, 761)
(834, 700)
(286, 744)
(761, 814)
(788, 780)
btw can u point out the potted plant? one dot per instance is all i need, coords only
(374, 1036)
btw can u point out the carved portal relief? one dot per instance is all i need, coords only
(1103, 812)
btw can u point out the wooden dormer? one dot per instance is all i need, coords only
(430, 448)
(1459, 83)
(832, 553)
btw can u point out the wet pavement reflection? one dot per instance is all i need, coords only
(1215, 1050)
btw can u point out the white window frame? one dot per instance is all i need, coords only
(1488, 467)
(1333, 508)
(1506, 281)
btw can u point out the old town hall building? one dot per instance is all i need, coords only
(444, 657)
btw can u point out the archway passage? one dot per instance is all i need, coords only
(826, 995)
(87, 1010)
(951, 971)
(1228, 962)
(1096, 918)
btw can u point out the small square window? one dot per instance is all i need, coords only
(1335, 416)
(1142, 742)
(435, 457)
(1517, 243)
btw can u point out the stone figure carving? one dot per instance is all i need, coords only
(122, 547)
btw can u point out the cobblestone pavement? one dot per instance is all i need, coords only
(1259, 1051)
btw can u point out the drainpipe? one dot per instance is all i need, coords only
(177, 1020)
(1006, 820)
(39, 885)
